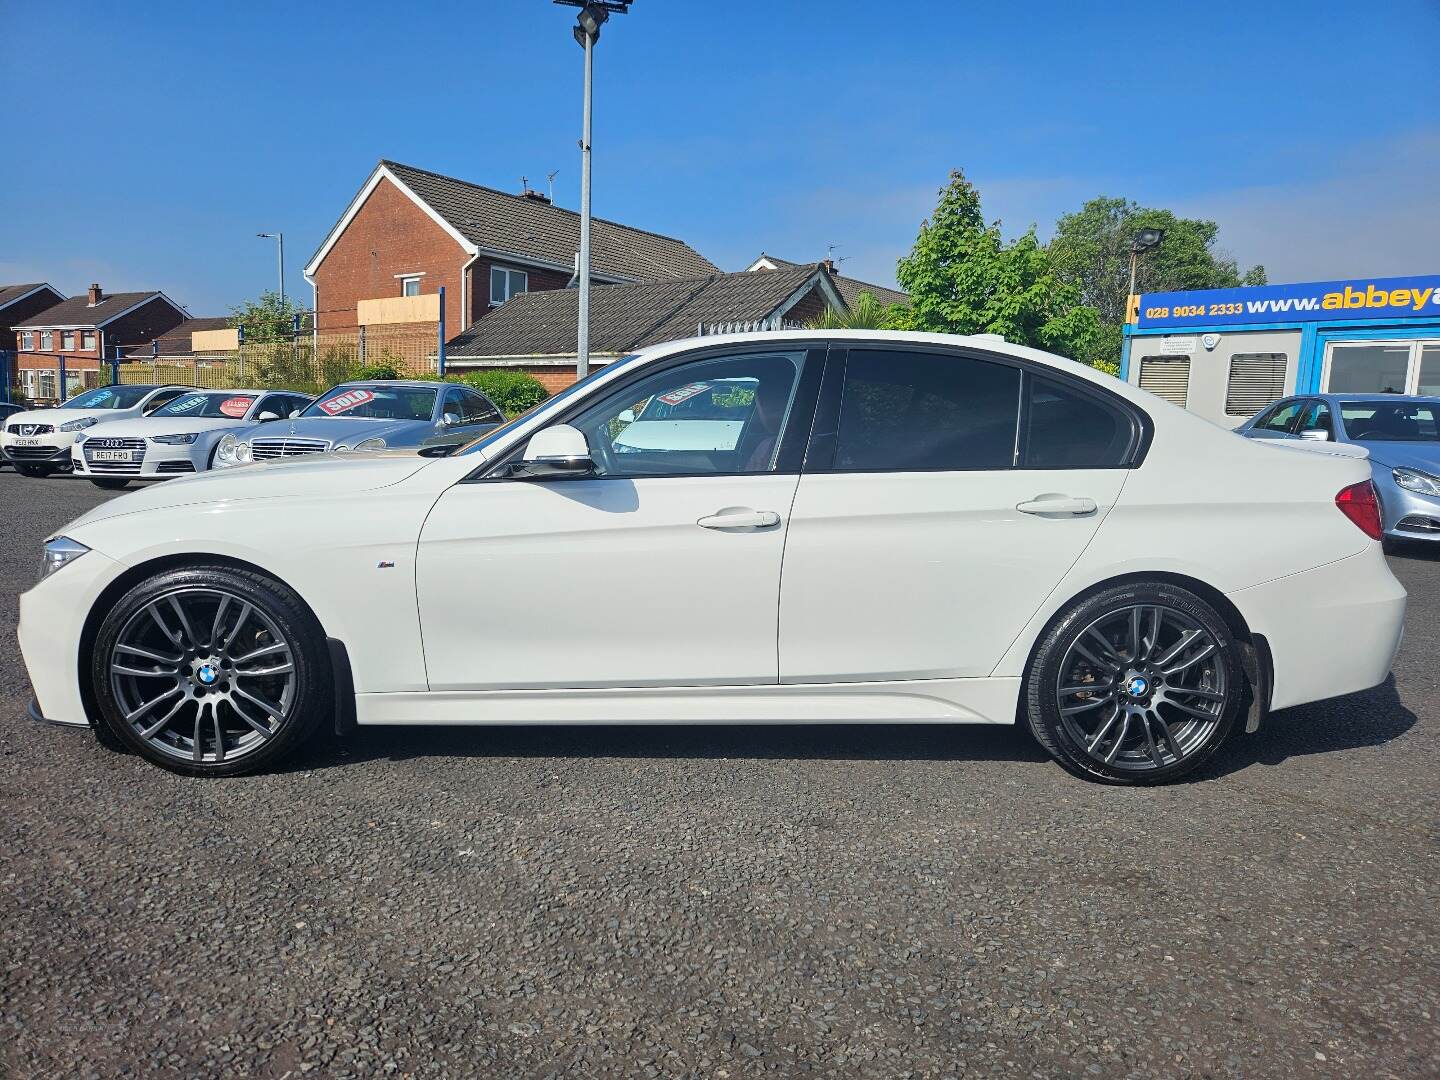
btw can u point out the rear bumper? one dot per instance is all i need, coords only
(1332, 630)
(33, 712)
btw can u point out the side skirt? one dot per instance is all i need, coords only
(925, 701)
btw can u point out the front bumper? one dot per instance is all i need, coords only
(1408, 515)
(153, 461)
(52, 620)
(47, 450)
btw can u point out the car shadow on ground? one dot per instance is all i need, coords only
(1371, 718)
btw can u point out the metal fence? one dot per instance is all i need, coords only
(309, 362)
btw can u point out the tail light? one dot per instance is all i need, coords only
(1358, 503)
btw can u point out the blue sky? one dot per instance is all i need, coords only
(148, 143)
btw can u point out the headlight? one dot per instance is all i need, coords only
(79, 425)
(1415, 480)
(176, 440)
(370, 444)
(232, 451)
(58, 552)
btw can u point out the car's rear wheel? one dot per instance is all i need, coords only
(210, 671)
(35, 471)
(110, 483)
(1139, 684)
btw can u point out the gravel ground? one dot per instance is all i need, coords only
(724, 902)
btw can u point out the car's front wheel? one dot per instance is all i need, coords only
(1139, 684)
(210, 670)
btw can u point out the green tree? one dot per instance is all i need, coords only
(1091, 251)
(267, 318)
(867, 313)
(963, 278)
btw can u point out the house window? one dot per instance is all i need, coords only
(27, 341)
(47, 340)
(506, 283)
(67, 340)
(1167, 377)
(410, 286)
(87, 340)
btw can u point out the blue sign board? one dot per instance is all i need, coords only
(1316, 301)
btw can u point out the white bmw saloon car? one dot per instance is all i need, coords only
(905, 528)
(178, 438)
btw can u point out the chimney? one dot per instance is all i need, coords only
(829, 265)
(538, 196)
(94, 296)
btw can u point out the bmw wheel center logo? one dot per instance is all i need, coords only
(1137, 686)
(207, 673)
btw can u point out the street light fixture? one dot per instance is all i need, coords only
(593, 14)
(280, 237)
(1144, 240)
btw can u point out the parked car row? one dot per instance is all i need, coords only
(116, 434)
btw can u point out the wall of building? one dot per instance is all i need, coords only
(539, 279)
(1210, 368)
(390, 235)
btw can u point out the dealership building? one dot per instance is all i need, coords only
(1227, 353)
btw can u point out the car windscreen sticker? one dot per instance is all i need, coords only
(236, 406)
(186, 404)
(345, 402)
(684, 393)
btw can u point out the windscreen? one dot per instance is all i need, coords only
(109, 397)
(208, 406)
(368, 402)
(1391, 421)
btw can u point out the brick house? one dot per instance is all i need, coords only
(409, 231)
(535, 332)
(20, 302)
(84, 330)
(848, 287)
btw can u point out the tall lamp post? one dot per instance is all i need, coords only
(280, 238)
(1144, 240)
(593, 14)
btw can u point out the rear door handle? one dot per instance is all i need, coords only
(740, 518)
(1058, 505)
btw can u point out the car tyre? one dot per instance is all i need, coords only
(111, 483)
(1139, 684)
(210, 671)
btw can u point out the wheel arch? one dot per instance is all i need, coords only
(334, 648)
(1254, 649)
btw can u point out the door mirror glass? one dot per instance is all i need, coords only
(1316, 435)
(556, 451)
(268, 415)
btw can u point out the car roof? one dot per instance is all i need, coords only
(417, 384)
(1380, 396)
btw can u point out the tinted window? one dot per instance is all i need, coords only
(478, 409)
(1069, 429)
(910, 410)
(710, 416)
(1391, 421)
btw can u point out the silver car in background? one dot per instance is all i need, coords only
(380, 414)
(1400, 432)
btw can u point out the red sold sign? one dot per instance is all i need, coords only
(346, 401)
(684, 393)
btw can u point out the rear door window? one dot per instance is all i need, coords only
(1068, 428)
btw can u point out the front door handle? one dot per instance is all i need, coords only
(1058, 505)
(740, 517)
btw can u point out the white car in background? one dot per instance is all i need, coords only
(908, 528)
(38, 442)
(179, 437)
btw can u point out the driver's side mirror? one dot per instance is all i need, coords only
(556, 451)
(627, 417)
(294, 413)
(1315, 435)
(268, 415)
(450, 419)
